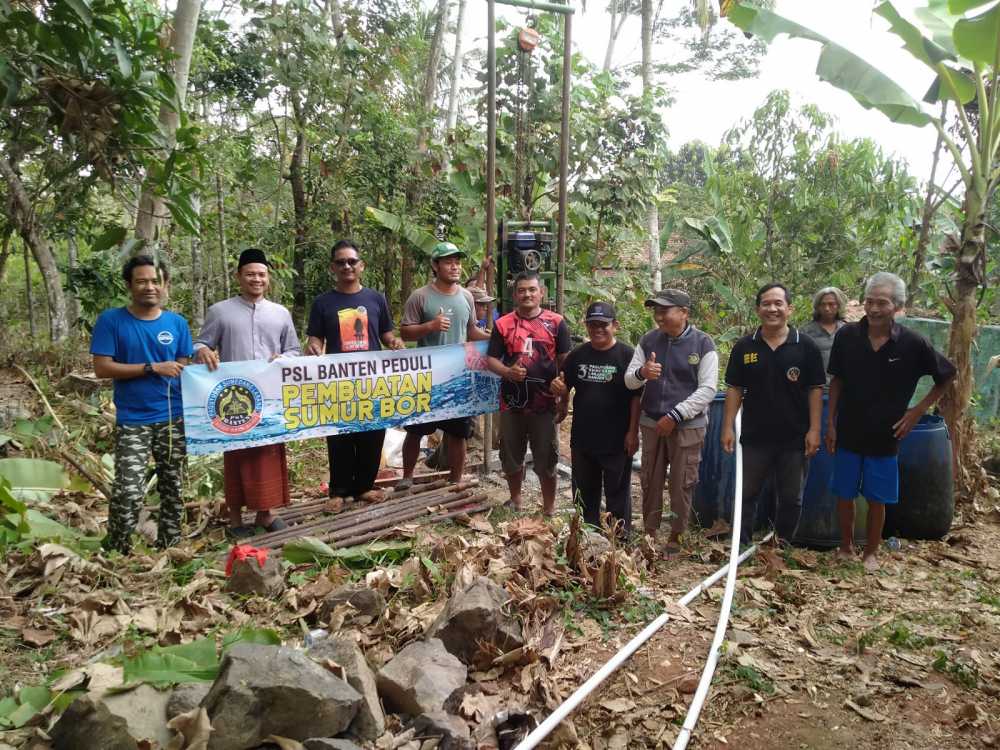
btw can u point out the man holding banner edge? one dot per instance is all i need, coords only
(351, 318)
(248, 327)
(441, 312)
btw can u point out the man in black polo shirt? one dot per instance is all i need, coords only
(875, 365)
(777, 375)
(605, 431)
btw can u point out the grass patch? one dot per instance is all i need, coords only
(989, 598)
(184, 573)
(964, 674)
(751, 678)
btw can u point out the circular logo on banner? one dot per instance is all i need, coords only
(235, 406)
(165, 337)
(793, 373)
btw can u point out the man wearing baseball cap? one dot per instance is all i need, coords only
(677, 367)
(605, 430)
(482, 299)
(442, 312)
(250, 326)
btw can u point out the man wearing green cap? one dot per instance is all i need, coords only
(442, 312)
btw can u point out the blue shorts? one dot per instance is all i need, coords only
(875, 477)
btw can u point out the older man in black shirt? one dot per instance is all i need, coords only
(875, 365)
(605, 432)
(776, 374)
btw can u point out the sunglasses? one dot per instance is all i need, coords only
(346, 262)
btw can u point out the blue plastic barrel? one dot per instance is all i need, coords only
(926, 492)
(819, 525)
(713, 497)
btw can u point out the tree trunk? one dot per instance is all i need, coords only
(29, 303)
(334, 18)
(429, 94)
(5, 251)
(619, 14)
(970, 269)
(220, 204)
(652, 212)
(152, 210)
(299, 201)
(197, 279)
(926, 217)
(21, 216)
(73, 261)
(456, 68)
(434, 56)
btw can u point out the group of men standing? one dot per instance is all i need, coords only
(660, 391)
(775, 380)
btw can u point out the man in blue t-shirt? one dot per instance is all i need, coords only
(143, 348)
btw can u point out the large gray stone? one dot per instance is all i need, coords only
(369, 724)
(89, 725)
(420, 678)
(263, 690)
(250, 577)
(452, 730)
(114, 720)
(144, 710)
(365, 602)
(186, 697)
(474, 627)
(329, 743)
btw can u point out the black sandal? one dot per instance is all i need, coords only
(276, 525)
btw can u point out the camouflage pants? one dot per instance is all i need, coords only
(133, 444)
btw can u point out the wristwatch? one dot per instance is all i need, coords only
(147, 369)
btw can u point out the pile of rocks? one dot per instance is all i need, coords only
(326, 696)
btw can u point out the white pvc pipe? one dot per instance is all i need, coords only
(694, 711)
(581, 693)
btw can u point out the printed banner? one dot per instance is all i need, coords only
(245, 404)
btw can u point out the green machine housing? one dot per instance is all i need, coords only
(525, 246)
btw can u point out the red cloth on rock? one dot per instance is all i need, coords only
(256, 478)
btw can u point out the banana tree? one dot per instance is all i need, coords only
(959, 40)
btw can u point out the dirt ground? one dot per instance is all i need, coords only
(818, 654)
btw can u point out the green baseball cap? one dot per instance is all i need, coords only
(445, 250)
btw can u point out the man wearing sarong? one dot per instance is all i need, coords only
(246, 327)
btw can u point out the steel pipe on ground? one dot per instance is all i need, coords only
(340, 520)
(361, 539)
(388, 521)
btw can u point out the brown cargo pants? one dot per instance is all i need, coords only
(681, 454)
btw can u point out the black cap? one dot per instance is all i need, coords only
(252, 255)
(669, 298)
(600, 311)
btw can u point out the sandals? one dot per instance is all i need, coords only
(671, 551)
(372, 496)
(404, 484)
(276, 525)
(239, 532)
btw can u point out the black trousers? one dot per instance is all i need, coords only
(786, 465)
(354, 460)
(611, 472)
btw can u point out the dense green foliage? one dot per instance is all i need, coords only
(307, 123)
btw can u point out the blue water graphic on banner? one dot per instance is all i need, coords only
(247, 404)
